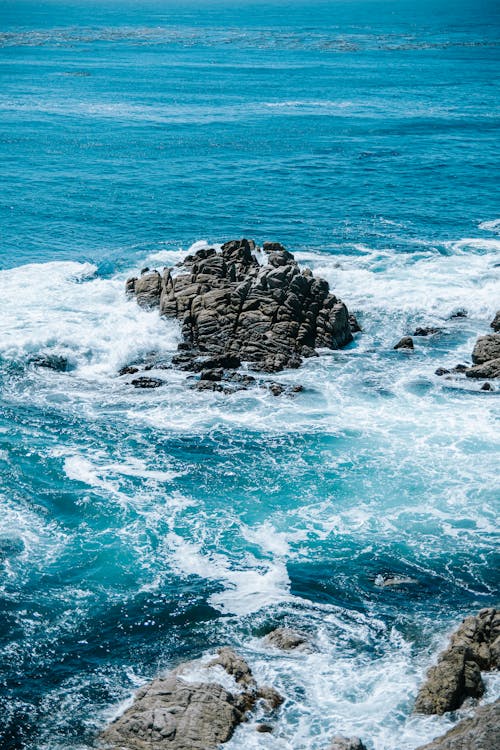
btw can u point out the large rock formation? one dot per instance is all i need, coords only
(486, 349)
(229, 305)
(475, 646)
(481, 732)
(190, 708)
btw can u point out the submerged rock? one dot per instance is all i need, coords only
(405, 343)
(486, 348)
(286, 639)
(188, 709)
(144, 382)
(54, 362)
(427, 331)
(346, 743)
(481, 732)
(232, 307)
(475, 646)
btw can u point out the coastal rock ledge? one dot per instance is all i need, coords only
(233, 307)
(475, 646)
(481, 732)
(197, 706)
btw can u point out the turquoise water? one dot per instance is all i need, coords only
(139, 529)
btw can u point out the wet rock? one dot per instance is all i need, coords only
(442, 371)
(461, 313)
(271, 697)
(475, 646)
(50, 362)
(481, 732)
(353, 322)
(264, 728)
(405, 343)
(213, 375)
(182, 712)
(130, 285)
(346, 743)
(286, 639)
(147, 289)
(128, 370)
(144, 382)
(495, 323)
(486, 348)
(234, 309)
(459, 368)
(428, 331)
(486, 387)
(490, 369)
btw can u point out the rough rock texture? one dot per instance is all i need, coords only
(175, 713)
(286, 639)
(426, 331)
(495, 323)
(490, 369)
(346, 743)
(486, 348)
(481, 732)
(270, 315)
(475, 646)
(405, 343)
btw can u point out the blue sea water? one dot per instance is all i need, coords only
(139, 529)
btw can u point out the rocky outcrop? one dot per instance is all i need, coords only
(495, 323)
(190, 708)
(475, 646)
(481, 732)
(286, 639)
(486, 349)
(405, 343)
(346, 743)
(490, 369)
(230, 305)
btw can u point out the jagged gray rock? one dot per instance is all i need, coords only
(495, 323)
(229, 305)
(286, 639)
(490, 369)
(481, 732)
(176, 713)
(486, 348)
(405, 343)
(475, 646)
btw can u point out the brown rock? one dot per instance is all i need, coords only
(286, 639)
(490, 369)
(486, 348)
(481, 732)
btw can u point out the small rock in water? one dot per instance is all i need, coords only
(353, 322)
(495, 323)
(405, 343)
(459, 368)
(51, 362)
(442, 371)
(429, 331)
(461, 313)
(486, 387)
(128, 370)
(144, 382)
(286, 639)
(346, 743)
(264, 728)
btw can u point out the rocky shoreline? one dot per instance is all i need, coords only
(199, 704)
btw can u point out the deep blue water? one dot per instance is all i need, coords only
(139, 529)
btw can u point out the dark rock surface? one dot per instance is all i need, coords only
(346, 743)
(475, 646)
(481, 732)
(490, 369)
(232, 307)
(176, 713)
(486, 348)
(495, 323)
(50, 362)
(427, 331)
(144, 382)
(405, 343)
(286, 639)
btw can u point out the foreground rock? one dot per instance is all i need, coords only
(481, 732)
(189, 708)
(475, 646)
(486, 349)
(229, 305)
(490, 369)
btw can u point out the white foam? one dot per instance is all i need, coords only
(490, 226)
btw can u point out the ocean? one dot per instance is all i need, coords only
(139, 529)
